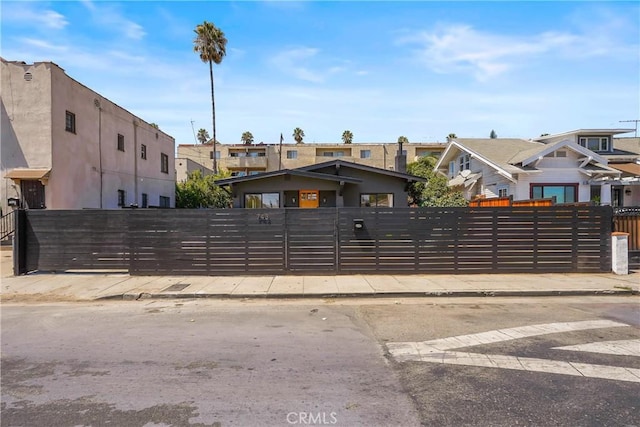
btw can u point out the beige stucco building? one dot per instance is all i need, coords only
(244, 160)
(64, 146)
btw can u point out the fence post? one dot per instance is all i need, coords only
(20, 243)
(620, 252)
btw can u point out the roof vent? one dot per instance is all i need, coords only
(28, 76)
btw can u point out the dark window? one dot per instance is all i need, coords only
(120, 142)
(121, 197)
(563, 193)
(143, 152)
(365, 154)
(145, 200)
(164, 163)
(218, 155)
(292, 154)
(165, 202)
(377, 199)
(70, 122)
(261, 200)
(595, 143)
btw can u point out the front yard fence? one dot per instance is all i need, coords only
(317, 241)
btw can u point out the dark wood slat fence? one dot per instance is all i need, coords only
(318, 241)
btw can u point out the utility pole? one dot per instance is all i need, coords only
(636, 125)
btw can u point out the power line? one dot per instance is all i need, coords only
(632, 121)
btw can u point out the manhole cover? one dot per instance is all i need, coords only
(177, 287)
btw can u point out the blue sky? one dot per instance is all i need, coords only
(379, 69)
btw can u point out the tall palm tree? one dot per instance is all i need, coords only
(403, 139)
(347, 137)
(298, 135)
(247, 138)
(211, 44)
(203, 136)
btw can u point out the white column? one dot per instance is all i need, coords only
(620, 252)
(605, 195)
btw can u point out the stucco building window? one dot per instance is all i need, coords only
(143, 152)
(121, 197)
(164, 163)
(120, 142)
(70, 122)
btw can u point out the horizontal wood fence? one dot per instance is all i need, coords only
(317, 241)
(627, 220)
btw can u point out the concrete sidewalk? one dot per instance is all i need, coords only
(88, 287)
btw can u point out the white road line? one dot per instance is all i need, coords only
(438, 351)
(619, 348)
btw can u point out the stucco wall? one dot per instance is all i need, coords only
(25, 122)
(87, 169)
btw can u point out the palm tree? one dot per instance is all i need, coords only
(403, 139)
(211, 44)
(347, 137)
(298, 135)
(203, 136)
(247, 138)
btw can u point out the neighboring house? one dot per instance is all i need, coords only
(243, 160)
(336, 183)
(559, 166)
(64, 146)
(186, 166)
(626, 159)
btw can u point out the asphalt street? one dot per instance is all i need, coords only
(321, 362)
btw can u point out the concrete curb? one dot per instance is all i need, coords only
(429, 294)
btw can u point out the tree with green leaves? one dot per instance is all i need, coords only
(403, 139)
(298, 135)
(200, 191)
(435, 191)
(154, 125)
(493, 134)
(247, 138)
(203, 136)
(211, 44)
(347, 137)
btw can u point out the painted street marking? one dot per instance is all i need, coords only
(619, 348)
(439, 351)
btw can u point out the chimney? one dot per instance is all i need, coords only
(401, 159)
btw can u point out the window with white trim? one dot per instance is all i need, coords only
(464, 162)
(595, 143)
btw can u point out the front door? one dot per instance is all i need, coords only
(309, 199)
(32, 194)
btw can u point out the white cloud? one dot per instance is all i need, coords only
(295, 62)
(485, 55)
(26, 13)
(109, 17)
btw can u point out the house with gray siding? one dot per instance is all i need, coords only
(335, 183)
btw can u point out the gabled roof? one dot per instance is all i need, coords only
(311, 172)
(337, 164)
(282, 172)
(512, 156)
(494, 152)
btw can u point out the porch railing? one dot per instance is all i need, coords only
(7, 225)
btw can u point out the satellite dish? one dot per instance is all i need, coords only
(465, 173)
